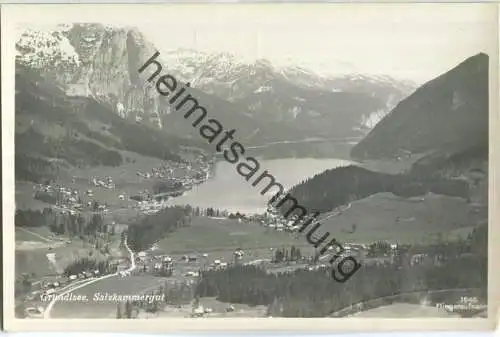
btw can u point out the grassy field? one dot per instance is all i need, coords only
(124, 176)
(31, 251)
(35, 260)
(380, 217)
(386, 217)
(24, 197)
(32, 245)
(209, 234)
(35, 234)
(28, 262)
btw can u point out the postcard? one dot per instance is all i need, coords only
(250, 167)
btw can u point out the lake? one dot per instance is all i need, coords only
(230, 191)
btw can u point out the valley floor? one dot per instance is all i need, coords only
(381, 216)
(384, 216)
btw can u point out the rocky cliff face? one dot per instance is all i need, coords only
(48, 52)
(263, 102)
(95, 60)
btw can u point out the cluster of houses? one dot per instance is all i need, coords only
(275, 220)
(52, 285)
(163, 265)
(63, 195)
(394, 254)
(102, 182)
(70, 200)
(53, 188)
(173, 187)
(151, 206)
(73, 201)
(199, 310)
(189, 176)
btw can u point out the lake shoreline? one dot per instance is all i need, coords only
(227, 190)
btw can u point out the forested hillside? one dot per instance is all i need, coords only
(151, 228)
(445, 121)
(448, 114)
(339, 186)
(55, 131)
(314, 294)
(64, 223)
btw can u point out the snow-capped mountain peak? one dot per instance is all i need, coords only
(237, 80)
(46, 49)
(102, 61)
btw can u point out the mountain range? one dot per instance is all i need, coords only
(78, 88)
(442, 129)
(264, 103)
(287, 94)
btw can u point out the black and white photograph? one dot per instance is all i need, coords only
(198, 162)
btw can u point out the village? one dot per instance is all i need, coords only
(170, 179)
(186, 269)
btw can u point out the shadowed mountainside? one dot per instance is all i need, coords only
(448, 114)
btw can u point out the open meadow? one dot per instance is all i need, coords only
(206, 234)
(384, 216)
(36, 260)
(380, 217)
(36, 245)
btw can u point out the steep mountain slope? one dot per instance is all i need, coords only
(263, 102)
(104, 65)
(53, 129)
(446, 120)
(387, 89)
(447, 115)
(383, 88)
(317, 112)
(340, 186)
(291, 94)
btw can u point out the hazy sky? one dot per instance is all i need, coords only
(416, 42)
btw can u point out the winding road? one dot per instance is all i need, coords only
(46, 239)
(80, 285)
